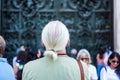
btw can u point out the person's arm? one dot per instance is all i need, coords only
(103, 74)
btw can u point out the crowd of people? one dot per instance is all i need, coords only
(54, 63)
(23, 56)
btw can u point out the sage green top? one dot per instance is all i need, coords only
(64, 68)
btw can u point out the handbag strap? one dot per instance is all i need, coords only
(81, 69)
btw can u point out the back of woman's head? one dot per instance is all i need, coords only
(32, 53)
(101, 53)
(55, 36)
(22, 56)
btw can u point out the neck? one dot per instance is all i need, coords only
(1, 55)
(61, 53)
(112, 67)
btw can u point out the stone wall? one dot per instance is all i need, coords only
(117, 25)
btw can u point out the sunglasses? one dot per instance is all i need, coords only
(84, 59)
(115, 62)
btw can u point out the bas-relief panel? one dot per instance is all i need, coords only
(89, 22)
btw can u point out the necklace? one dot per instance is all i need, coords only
(62, 54)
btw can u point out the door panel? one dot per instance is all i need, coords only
(90, 22)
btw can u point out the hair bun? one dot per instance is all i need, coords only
(52, 54)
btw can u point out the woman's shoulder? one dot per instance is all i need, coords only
(92, 66)
(105, 68)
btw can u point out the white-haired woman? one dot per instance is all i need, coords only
(56, 65)
(84, 55)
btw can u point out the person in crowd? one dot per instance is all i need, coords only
(56, 64)
(6, 70)
(20, 62)
(107, 54)
(73, 53)
(112, 70)
(15, 63)
(31, 53)
(84, 55)
(21, 48)
(100, 61)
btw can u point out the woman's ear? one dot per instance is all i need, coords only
(68, 43)
(109, 61)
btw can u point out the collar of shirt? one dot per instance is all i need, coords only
(3, 60)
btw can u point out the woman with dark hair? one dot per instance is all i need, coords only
(112, 70)
(20, 62)
(33, 53)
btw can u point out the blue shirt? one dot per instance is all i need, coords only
(6, 71)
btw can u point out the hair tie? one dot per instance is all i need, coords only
(52, 53)
(53, 50)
